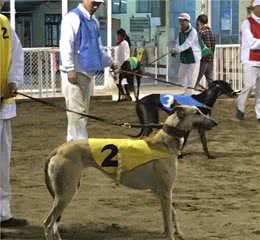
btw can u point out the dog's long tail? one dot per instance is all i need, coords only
(46, 174)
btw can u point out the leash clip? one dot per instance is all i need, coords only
(126, 125)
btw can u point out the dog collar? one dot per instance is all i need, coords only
(173, 131)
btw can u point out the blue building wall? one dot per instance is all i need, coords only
(225, 20)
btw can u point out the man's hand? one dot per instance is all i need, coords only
(72, 76)
(174, 52)
(11, 90)
(114, 66)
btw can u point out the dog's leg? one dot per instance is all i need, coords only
(186, 136)
(51, 223)
(150, 115)
(63, 175)
(120, 91)
(138, 80)
(203, 140)
(178, 231)
(165, 199)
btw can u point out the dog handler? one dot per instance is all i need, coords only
(11, 77)
(122, 53)
(82, 55)
(190, 52)
(250, 57)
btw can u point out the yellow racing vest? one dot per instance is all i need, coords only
(5, 55)
(115, 156)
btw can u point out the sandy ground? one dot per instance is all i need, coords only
(215, 199)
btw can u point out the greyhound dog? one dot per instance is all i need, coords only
(65, 164)
(125, 72)
(148, 107)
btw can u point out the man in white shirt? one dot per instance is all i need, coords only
(82, 55)
(190, 52)
(250, 57)
(11, 77)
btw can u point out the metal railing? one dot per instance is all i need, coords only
(227, 65)
(42, 77)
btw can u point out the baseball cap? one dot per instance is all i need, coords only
(100, 1)
(256, 3)
(184, 16)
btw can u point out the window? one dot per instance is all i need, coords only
(156, 8)
(143, 6)
(52, 30)
(119, 6)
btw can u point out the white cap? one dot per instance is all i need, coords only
(184, 16)
(100, 1)
(256, 3)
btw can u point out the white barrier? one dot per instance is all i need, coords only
(227, 65)
(42, 77)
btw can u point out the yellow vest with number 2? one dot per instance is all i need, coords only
(5, 56)
(115, 156)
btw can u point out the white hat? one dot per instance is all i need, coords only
(100, 1)
(184, 16)
(256, 3)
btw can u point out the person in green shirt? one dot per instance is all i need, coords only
(128, 70)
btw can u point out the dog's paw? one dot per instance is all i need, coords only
(179, 235)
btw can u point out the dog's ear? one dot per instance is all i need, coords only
(180, 111)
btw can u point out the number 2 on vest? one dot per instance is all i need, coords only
(4, 30)
(109, 162)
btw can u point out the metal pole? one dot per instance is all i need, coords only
(52, 58)
(168, 29)
(209, 12)
(12, 13)
(109, 23)
(109, 38)
(156, 64)
(64, 7)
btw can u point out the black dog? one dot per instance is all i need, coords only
(128, 70)
(148, 107)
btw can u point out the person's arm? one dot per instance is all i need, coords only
(188, 42)
(16, 70)
(247, 37)
(126, 50)
(69, 30)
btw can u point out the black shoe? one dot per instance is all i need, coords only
(240, 115)
(13, 222)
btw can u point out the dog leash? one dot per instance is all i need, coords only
(113, 123)
(159, 80)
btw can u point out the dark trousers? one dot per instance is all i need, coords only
(206, 68)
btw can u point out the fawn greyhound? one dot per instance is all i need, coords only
(65, 164)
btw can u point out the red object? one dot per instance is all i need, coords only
(255, 29)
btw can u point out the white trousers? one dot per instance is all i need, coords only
(5, 156)
(188, 74)
(251, 78)
(77, 97)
